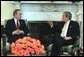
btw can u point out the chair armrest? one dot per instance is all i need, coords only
(28, 34)
(77, 42)
(50, 47)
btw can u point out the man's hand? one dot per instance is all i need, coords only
(67, 38)
(50, 23)
(21, 31)
(17, 32)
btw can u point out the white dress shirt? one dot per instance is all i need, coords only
(16, 22)
(65, 29)
(20, 31)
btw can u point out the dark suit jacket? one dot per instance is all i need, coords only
(10, 27)
(73, 30)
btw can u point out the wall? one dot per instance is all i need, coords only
(47, 11)
(80, 20)
(6, 10)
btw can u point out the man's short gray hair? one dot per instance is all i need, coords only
(68, 14)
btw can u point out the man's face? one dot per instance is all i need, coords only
(64, 18)
(18, 15)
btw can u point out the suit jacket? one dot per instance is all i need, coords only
(10, 27)
(73, 30)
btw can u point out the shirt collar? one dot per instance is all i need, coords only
(67, 21)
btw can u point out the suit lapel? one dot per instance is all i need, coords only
(14, 25)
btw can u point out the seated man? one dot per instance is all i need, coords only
(16, 28)
(65, 33)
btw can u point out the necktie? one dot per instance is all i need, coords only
(18, 24)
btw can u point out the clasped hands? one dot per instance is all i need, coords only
(67, 38)
(17, 32)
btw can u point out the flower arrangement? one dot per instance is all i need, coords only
(27, 46)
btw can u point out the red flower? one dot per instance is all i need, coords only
(27, 45)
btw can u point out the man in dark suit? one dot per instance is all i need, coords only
(16, 28)
(65, 33)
